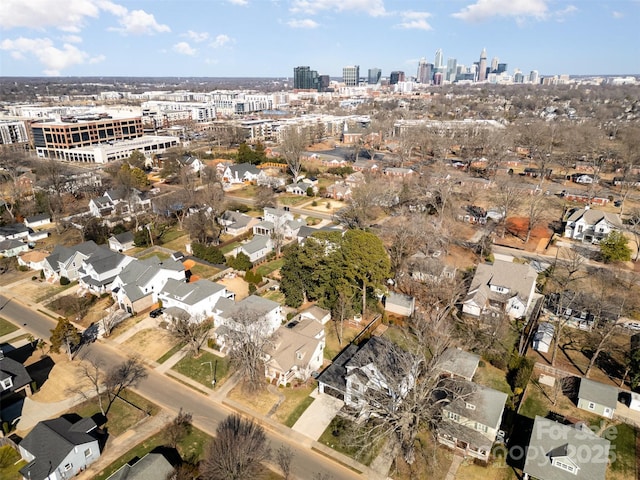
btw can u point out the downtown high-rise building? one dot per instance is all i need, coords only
(534, 77)
(351, 75)
(452, 70)
(395, 77)
(482, 66)
(374, 76)
(305, 79)
(438, 59)
(494, 64)
(425, 72)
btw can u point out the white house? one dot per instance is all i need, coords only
(301, 188)
(236, 223)
(591, 225)
(198, 299)
(121, 242)
(66, 261)
(256, 249)
(543, 337)
(33, 259)
(12, 248)
(242, 173)
(37, 220)
(501, 287)
(99, 270)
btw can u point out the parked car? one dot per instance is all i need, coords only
(633, 325)
(155, 313)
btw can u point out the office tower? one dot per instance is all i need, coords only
(351, 75)
(534, 77)
(437, 78)
(425, 72)
(502, 67)
(494, 64)
(438, 60)
(396, 77)
(450, 75)
(305, 79)
(374, 76)
(518, 77)
(482, 66)
(323, 82)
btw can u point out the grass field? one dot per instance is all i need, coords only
(200, 370)
(10, 464)
(270, 267)
(296, 402)
(6, 327)
(624, 447)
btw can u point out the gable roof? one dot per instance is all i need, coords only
(519, 278)
(10, 244)
(38, 218)
(242, 168)
(253, 304)
(488, 403)
(9, 368)
(598, 393)
(51, 441)
(190, 293)
(257, 243)
(385, 355)
(124, 237)
(550, 439)
(592, 216)
(295, 344)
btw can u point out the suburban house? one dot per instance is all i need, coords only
(501, 287)
(99, 270)
(150, 467)
(59, 449)
(301, 188)
(377, 365)
(242, 173)
(256, 249)
(66, 261)
(265, 315)
(565, 452)
(573, 308)
(192, 163)
(33, 259)
(121, 242)
(14, 231)
(134, 286)
(597, 397)
(118, 200)
(316, 313)
(591, 225)
(543, 337)
(14, 377)
(197, 299)
(580, 196)
(296, 351)
(305, 232)
(398, 171)
(101, 206)
(339, 191)
(284, 225)
(12, 248)
(399, 304)
(236, 223)
(458, 363)
(471, 417)
(37, 220)
(583, 178)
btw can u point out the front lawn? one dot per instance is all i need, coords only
(270, 267)
(290, 199)
(342, 437)
(124, 414)
(191, 448)
(200, 370)
(296, 402)
(623, 445)
(6, 327)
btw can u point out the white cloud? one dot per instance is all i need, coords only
(617, 15)
(183, 48)
(220, 41)
(561, 14)
(241, 3)
(139, 22)
(197, 37)
(415, 20)
(53, 58)
(304, 23)
(485, 9)
(375, 8)
(72, 38)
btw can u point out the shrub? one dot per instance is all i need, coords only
(252, 288)
(23, 268)
(42, 274)
(240, 262)
(35, 277)
(290, 315)
(208, 253)
(314, 203)
(64, 281)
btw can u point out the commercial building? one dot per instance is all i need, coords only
(13, 133)
(374, 76)
(305, 79)
(396, 77)
(351, 75)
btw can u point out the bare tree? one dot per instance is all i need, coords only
(342, 309)
(633, 223)
(193, 331)
(128, 374)
(507, 197)
(237, 452)
(284, 455)
(248, 338)
(535, 211)
(179, 427)
(292, 145)
(11, 161)
(91, 370)
(109, 321)
(265, 197)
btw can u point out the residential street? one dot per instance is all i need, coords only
(207, 412)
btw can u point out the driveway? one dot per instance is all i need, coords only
(318, 416)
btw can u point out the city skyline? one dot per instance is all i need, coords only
(268, 38)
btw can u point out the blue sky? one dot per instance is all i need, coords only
(267, 38)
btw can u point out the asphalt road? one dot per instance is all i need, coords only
(172, 395)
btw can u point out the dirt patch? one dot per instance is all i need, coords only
(322, 206)
(62, 377)
(236, 285)
(517, 231)
(460, 257)
(151, 343)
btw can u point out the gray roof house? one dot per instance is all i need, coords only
(12, 248)
(99, 270)
(37, 220)
(565, 452)
(121, 242)
(236, 223)
(256, 249)
(13, 376)
(597, 397)
(153, 466)
(501, 287)
(198, 299)
(471, 418)
(591, 225)
(455, 362)
(58, 449)
(399, 304)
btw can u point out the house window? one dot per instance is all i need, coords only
(68, 467)
(87, 452)
(481, 428)
(591, 406)
(355, 386)
(564, 466)
(453, 416)
(7, 383)
(470, 406)
(579, 228)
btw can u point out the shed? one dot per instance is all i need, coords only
(399, 304)
(543, 337)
